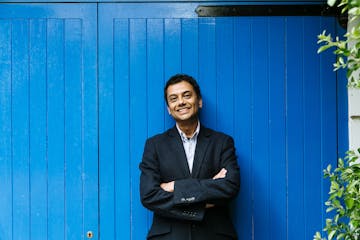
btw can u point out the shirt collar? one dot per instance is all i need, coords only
(184, 138)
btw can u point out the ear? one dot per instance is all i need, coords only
(200, 103)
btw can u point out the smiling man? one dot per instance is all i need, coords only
(189, 173)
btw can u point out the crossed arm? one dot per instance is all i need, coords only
(187, 198)
(169, 186)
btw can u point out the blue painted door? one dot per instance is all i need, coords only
(262, 82)
(48, 115)
(81, 90)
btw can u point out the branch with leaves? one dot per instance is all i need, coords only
(344, 200)
(347, 49)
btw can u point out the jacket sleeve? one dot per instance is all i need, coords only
(155, 198)
(218, 191)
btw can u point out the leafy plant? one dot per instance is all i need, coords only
(344, 200)
(347, 49)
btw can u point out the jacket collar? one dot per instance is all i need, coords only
(200, 151)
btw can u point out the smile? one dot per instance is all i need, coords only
(181, 110)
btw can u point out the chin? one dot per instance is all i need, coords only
(182, 119)
(185, 118)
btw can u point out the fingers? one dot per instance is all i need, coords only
(168, 187)
(209, 205)
(221, 174)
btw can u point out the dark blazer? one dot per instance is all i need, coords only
(181, 215)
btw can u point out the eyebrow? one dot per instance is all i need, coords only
(174, 94)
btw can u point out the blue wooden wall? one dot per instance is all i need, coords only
(81, 88)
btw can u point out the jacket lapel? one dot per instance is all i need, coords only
(177, 148)
(201, 146)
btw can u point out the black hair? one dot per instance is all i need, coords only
(180, 78)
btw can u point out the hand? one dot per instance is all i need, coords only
(168, 187)
(221, 174)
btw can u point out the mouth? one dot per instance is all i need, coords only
(183, 110)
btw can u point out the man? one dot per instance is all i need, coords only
(189, 173)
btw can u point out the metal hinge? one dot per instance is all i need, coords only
(271, 10)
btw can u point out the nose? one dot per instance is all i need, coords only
(181, 101)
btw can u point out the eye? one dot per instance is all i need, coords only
(187, 95)
(172, 99)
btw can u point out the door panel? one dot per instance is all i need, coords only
(49, 118)
(70, 146)
(262, 82)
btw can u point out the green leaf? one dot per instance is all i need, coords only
(341, 60)
(331, 2)
(340, 236)
(334, 187)
(331, 234)
(329, 209)
(323, 48)
(341, 162)
(317, 236)
(349, 202)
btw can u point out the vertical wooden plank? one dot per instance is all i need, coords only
(155, 81)
(312, 140)
(38, 129)
(295, 126)
(90, 121)
(189, 46)
(20, 129)
(122, 131)
(155, 74)
(277, 144)
(138, 121)
(260, 167)
(224, 75)
(172, 54)
(106, 123)
(73, 129)
(243, 85)
(55, 130)
(6, 207)
(207, 70)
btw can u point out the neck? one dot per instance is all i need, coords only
(188, 127)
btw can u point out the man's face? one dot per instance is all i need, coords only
(183, 103)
